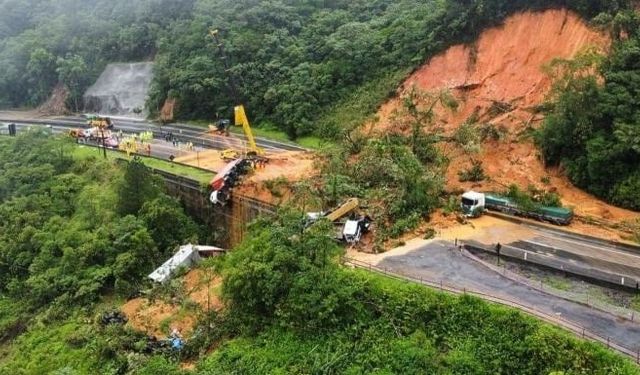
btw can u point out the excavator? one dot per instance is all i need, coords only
(353, 228)
(241, 119)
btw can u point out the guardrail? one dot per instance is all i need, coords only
(620, 312)
(559, 264)
(574, 328)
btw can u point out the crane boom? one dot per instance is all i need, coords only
(345, 208)
(242, 120)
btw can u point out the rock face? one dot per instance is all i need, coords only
(121, 90)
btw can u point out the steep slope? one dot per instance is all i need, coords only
(506, 64)
(500, 81)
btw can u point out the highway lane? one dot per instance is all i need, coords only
(440, 261)
(184, 133)
(190, 131)
(543, 245)
(159, 148)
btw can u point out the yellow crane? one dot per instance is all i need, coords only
(240, 114)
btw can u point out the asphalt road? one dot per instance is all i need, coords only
(441, 261)
(159, 147)
(600, 259)
(183, 132)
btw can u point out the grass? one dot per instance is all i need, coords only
(84, 152)
(46, 349)
(270, 132)
(559, 283)
(635, 302)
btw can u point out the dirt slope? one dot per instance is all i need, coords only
(159, 317)
(500, 80)
(504, 65)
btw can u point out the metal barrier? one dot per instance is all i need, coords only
(620, 312)
(558, 263)
(570, 326)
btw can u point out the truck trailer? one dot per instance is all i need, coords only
(474, 204)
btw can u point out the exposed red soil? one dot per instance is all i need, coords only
(166, 113)
(291, 165)
(505, 67)
(56, 105)
(148, 316)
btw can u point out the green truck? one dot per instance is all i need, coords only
(473, 205)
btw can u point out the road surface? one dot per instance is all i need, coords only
(603, 260)
(183, 132)
(441, 261)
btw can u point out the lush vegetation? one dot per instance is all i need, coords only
(78, 233)
(317, 66)
(73, 230)
(311, 67)
(398, 178)
(593, 128)
(291, 309)
(43, 42)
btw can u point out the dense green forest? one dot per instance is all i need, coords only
(79, 234)
(319, 66)
(306, 67)
(43, 42)
(73, 230)
(316, 67)
(593, 126)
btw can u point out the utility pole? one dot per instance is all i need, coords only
(104, 145)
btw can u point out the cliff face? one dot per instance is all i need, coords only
(120, 90)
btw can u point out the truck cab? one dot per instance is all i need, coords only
(354, 229)
(473, 204)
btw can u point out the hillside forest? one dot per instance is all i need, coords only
(79, 234)
(320, 68)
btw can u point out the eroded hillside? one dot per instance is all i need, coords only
(500, 82)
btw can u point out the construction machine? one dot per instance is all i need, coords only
(221, 126)
(355, 226)
(101, 122)
(241, 119)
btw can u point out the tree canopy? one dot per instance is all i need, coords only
(306, 67)
(71, 230)
(593, 127)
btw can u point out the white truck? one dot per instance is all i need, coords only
(354, 229)
(473, 205)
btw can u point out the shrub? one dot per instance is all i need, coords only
(473, 174)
